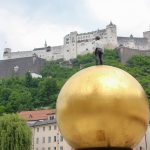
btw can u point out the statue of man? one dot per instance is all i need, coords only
(98, 51)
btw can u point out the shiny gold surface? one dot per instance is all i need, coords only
(102, 106)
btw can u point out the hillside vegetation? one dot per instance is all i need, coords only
(27, 93)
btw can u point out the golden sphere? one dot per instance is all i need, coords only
(102, 106)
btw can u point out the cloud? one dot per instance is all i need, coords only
(130, 16)
(27, 24)
(21, 32)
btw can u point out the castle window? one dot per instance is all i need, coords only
(67, 50)
(37, 140)
(73, 40)
(86, 49)
(5, 52)
(43, 139)
(48, 49)
(67, 41)
(49, 139)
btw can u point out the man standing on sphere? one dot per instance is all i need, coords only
(98, 51)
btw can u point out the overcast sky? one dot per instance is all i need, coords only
(26, 24)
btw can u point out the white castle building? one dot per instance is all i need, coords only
(82, 43)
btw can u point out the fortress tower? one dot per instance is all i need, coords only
(70, 46)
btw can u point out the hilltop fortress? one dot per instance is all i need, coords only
(80, 44)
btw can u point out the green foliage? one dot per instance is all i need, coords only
(14, 133)
(139, 67)
(18, 94)
(48, 90)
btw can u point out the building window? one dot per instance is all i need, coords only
(61, 147)
(61, 138)
(43, 148)
(54, 148)
(73, 39)
(54, 138)
(49, 148)
(49, 127)
(43, 128)
(43, 139)
(37, 129)
(37, 140)
(51, 117)
(67, 50)
(55, 127)
(49, 139)
(37, 149)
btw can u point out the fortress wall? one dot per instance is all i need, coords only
(134, 43)
(141, 43)
(126, 53)
(57, 49)
(14, 55)
(147, 35)
(55, 53)
(85, 47)
(44, 54)
(126, 42)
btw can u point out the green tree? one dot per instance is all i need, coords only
(14, 133)
(19, 100)
(28, 79)
(48, 90)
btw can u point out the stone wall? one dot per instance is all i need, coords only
(133, 42)
(126, 53)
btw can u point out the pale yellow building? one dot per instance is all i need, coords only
(46, 135)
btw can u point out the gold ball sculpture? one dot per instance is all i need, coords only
(102, 106)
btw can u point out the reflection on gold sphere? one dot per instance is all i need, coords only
(102, 106)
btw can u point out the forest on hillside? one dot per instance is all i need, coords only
(27, 93)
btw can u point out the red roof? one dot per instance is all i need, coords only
(37, 114)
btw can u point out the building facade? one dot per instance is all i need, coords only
(82, 43)
(46, 135)
(45, 132)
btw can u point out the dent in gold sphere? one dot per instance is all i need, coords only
(102, 106)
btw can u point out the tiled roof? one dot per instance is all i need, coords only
(37, 114)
